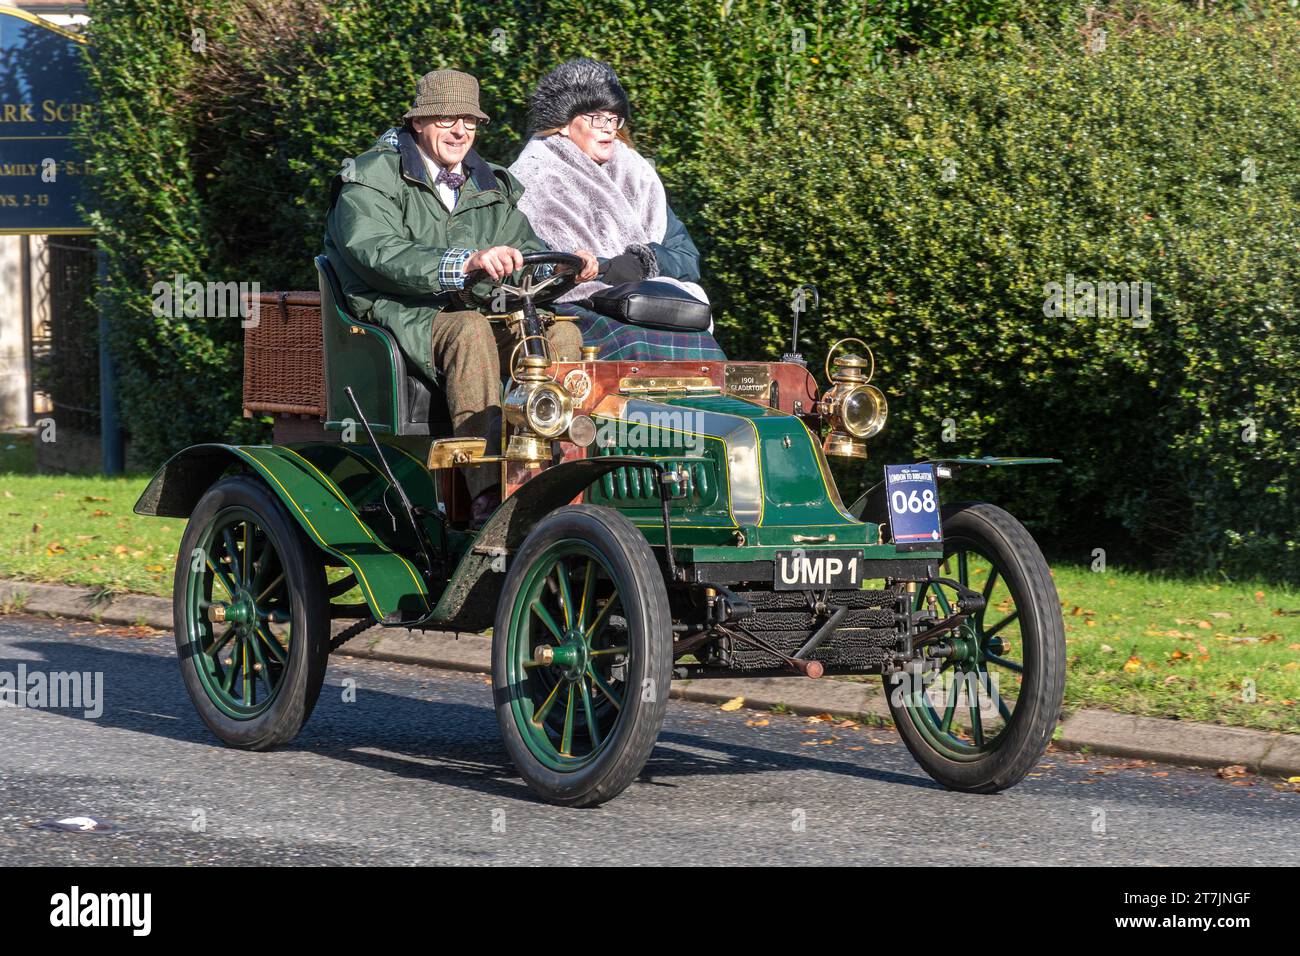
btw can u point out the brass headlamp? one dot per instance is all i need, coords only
(855, 409)
(539, 408)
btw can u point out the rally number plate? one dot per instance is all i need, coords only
(913, 507)
(798, 569)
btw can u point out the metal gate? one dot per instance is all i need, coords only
(65, 346)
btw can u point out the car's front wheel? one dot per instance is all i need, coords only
(582, 655)
(983, 721)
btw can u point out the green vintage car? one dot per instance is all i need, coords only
(660, 521)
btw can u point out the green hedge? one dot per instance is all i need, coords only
(1123, 164)
(818, 161)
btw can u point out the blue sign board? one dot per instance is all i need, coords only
(913, 498)
(43, 89)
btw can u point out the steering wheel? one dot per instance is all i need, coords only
(530, 290)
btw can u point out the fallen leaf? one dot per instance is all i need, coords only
(153, 567)
(757, 723)
(1107, 649)
(1220, 614)
(1133, 664)
(1161, 773)
(1204, 625)
(119, 549)
(734, 704)
(55, 548)
(93, 498)
(1232, 770)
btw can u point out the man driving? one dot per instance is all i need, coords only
(409, 219)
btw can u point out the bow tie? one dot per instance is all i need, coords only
(454, 180)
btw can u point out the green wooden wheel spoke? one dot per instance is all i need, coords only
(588, 595)
(604, 688)
(988, 585)
(232, 552)
(228, 682)
(540, 610)
(598, 625)
(566, 740)
(951, 707)
(588, 711)
(1003, 709)
(273, 615)
(232, 592)
(262, 595)
(973, 705)
(264, 672)
(1003, 662)
(943, 601)
(246, 672)
(540, 714)
(217, 645)
(963, 568)
(275, 647)
(248, 553)
(599, 652)
(263, 564)
(1001, 624)
(566, 598)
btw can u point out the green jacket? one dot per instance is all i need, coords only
(387, 233)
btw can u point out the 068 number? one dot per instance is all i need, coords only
(902, 503)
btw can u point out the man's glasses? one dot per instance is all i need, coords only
(447, 122)
(603, 121)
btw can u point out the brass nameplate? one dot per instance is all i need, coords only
(748, 381)
(666, 383)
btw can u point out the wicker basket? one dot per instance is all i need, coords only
(283, 371)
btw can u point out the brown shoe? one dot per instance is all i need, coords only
(481, 507)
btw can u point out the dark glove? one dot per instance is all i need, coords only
(623, 268)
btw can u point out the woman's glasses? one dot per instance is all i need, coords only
(447, 122)
(604, 120)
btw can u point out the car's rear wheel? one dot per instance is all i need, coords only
(251, 615)
(582, 655)
(987, 718)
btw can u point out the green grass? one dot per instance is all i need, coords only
(80, 530)
(1137, 643)
(1162, 647)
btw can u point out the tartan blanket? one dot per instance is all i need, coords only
(621, 341)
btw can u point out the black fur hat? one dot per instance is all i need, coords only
(578, 86)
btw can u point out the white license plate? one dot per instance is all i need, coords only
(798, 569)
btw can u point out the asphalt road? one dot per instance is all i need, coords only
(413, 772)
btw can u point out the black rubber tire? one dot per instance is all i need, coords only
(649, 621)
(1000, 537)
(309, 649)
